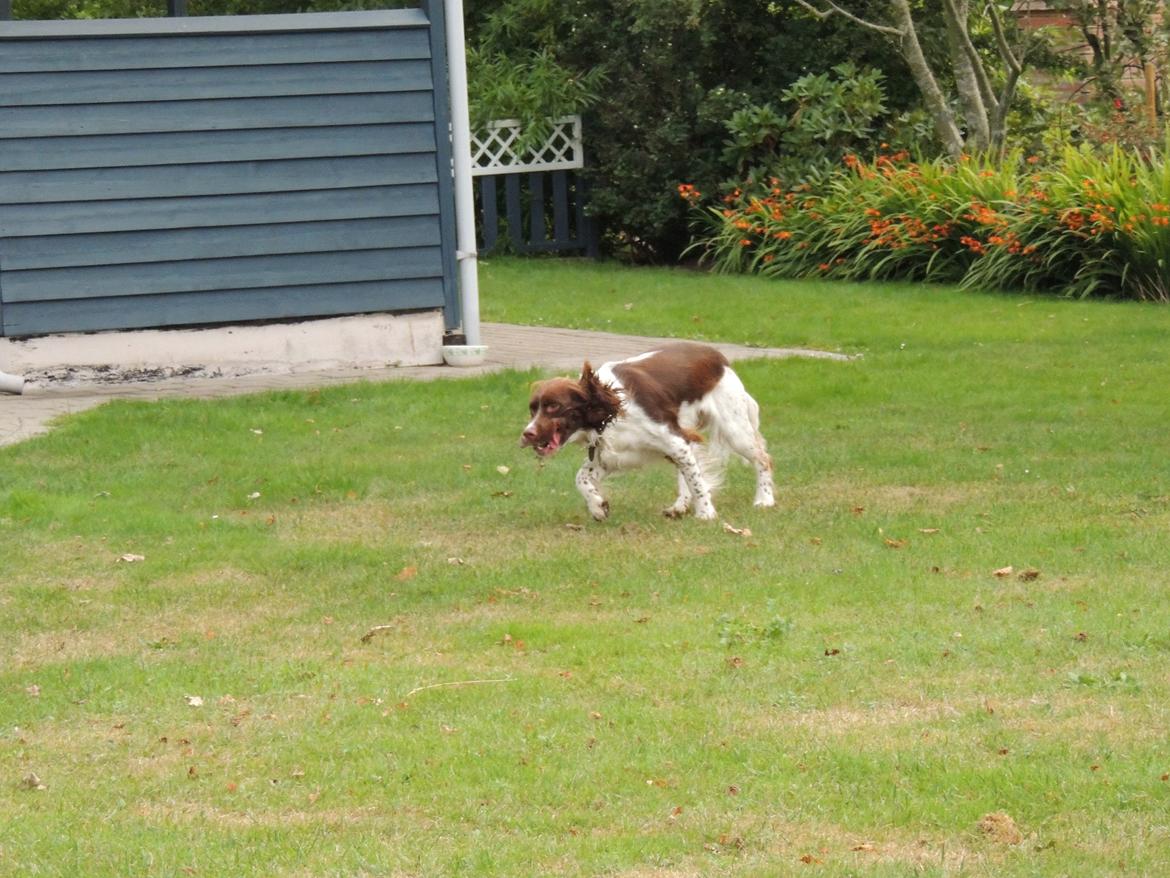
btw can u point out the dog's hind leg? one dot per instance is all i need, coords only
(682, 456)
(745, 439)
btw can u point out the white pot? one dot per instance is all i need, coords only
(464, 354)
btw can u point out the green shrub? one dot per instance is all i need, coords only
(1084, 224)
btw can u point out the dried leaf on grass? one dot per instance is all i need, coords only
(738, 531)
(31, 782)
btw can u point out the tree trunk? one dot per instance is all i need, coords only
(967, 83)
(932, 94)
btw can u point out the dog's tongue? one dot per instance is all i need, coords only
(552, 446)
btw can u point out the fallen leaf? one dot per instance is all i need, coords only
(895, 544)
(255, 495)
(864, 846)
(194, 701)
(1005, 571)
(503, 470)
(33, 691)
(738, 531)
(928, 530)
(130, 558)
(406, 573)
(31, 782)
(1029, 575)
(857, 510)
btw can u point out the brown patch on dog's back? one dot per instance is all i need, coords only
(675, 374)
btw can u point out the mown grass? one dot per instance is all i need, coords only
(850, 690)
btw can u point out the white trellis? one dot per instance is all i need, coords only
(495, 148)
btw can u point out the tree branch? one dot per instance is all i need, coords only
(1014, 64)
(834, 9)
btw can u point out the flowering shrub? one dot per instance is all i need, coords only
(1082, 225)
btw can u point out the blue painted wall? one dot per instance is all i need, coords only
(168, 172)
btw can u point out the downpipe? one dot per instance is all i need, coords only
(11, 383)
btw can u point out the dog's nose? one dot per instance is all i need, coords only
(528, 437)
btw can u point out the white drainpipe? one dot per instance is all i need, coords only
(11, 383)
(461, 152)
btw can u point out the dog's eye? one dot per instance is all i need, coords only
(551, 407)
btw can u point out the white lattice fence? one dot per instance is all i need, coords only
(496, 148)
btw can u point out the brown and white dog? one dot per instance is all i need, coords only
(648, 407)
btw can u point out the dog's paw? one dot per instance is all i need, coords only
(706, 513)
(765, 503)
(674, 511)
(600, 512)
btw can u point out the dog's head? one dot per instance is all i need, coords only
(560, 407)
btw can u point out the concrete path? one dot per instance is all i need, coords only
(509, 347)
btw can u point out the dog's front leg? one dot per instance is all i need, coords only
(683, 457)
(589, 484)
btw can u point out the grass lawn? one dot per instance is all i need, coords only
(860, 687)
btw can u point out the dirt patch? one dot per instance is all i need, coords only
(1000, 828)
(109, 374)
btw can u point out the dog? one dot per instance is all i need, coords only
(631, 412)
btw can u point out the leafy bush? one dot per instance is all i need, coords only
(1085, 224)
(675, 72)
(533, 90)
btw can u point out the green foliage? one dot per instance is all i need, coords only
(1084, 224)
(829, 114)
(534, 90)
(675, 72)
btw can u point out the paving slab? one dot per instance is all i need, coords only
(509, 347)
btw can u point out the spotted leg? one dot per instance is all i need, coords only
(683, 457)
(589, 478)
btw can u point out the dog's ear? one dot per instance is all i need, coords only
(603, 404)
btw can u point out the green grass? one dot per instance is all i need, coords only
(848, 691)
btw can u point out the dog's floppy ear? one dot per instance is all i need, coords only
(603, 404)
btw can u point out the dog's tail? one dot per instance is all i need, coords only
(711, 456)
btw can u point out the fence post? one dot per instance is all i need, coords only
(175, 8)
(5, 10)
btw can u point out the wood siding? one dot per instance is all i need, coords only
(168, 172)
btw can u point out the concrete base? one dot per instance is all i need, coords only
(373, 341)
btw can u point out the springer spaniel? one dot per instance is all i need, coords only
(648, 407)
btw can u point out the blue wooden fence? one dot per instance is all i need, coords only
(543, 212)
(166, 172)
